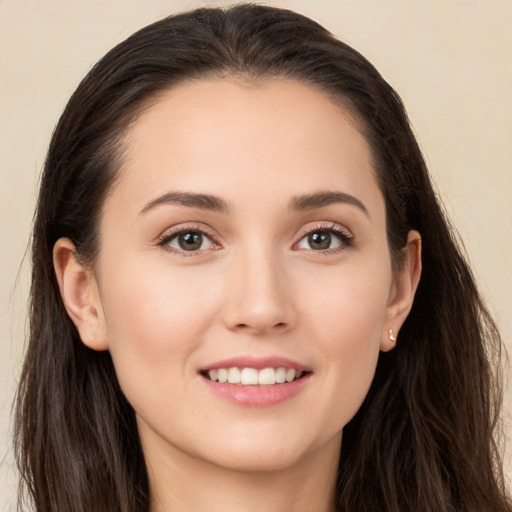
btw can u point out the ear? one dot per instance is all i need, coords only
(80, 294)
(403, 291)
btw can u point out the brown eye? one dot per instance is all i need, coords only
(319, 240)
(324, 239)
(188, 241)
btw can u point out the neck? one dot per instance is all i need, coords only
(181, 483)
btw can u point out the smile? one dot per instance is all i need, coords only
(253, 377)
(256, 381)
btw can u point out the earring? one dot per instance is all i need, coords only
(392, 338)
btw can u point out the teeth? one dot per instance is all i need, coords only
(234, 376)
(253, 377)
(249, 376)
(290, 375)
(267, 377)
(281, 375)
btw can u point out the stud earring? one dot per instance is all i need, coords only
(392, 338)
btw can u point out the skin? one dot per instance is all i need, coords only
(258, 288)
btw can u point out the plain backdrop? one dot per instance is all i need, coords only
(449, 60)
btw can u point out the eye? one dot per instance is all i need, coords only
(319, 241)
(325, 239)
(187, 240)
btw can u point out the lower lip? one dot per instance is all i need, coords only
(257, 396)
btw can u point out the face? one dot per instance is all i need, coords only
(245, 239)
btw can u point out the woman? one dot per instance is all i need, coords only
(245, 294)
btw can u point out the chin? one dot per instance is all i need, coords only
(267, 454)
(256, 460)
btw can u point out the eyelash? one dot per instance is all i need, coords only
(343, 234)
(345, 237)
(165, 239)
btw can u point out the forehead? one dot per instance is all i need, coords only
(196, 108)
(220, 136)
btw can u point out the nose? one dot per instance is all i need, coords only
(260, 297)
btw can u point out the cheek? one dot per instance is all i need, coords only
(348, 321)
(153, 323)
(349, 304)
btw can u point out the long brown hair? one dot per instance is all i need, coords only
(425, 436)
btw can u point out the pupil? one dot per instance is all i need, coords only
(190, 241)
(319, 240)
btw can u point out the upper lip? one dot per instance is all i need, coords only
(258, 363)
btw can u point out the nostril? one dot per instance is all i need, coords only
(279, 326)
(241, 326)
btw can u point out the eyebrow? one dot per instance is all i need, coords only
(213, 203)
(322, 199)
(202, 201)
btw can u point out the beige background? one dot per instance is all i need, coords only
(450, 61)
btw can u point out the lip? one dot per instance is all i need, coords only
(258, 363)
(256, 396)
